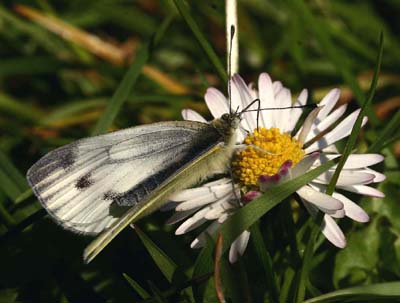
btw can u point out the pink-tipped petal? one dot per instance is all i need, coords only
(319, 199)
(216, 102)
(250, 117)
(352, 210)
(378, 177)
(354, 161)
(333, 232)
(191, 115)
(346, 177)
(364, 190)
(251, 195)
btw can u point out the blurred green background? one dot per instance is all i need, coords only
(62, 61)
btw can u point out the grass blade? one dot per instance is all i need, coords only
(207, 48)
(385, 135)
(337, 58)
(301, 287)
(382, 292)
(357, 125)
(128, 82)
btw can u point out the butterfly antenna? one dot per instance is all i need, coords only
(230, 68)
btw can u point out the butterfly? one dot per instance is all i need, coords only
(100, 185)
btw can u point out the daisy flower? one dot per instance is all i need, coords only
(272, 154)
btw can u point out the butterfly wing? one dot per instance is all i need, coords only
(86, 186)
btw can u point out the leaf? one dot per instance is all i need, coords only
(164, 263)
(136, 287)
(383, 292)
(355, 264)
(12, 182)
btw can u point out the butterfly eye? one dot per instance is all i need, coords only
(225, 117)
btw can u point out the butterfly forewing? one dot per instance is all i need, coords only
(87, 185)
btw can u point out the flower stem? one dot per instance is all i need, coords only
(308, 254)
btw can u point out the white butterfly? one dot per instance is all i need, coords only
(102, 184)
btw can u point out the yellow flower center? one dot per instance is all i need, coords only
(267, 150)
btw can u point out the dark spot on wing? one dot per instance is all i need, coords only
(68, 157)
(110, 195)
(84, 182)
(63, 157)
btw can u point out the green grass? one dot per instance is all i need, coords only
(53, 92)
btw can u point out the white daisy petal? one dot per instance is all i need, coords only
(238, 246)
(199, 201)
(339, 132)
(378, 176)
(266, 95)
(215, 210)
(328, 103)
(201, 239)
(327, 122)
(364, 190)
(353, 161)
(333, 232)
(351, 209)
(304, 165)
(305, 129)
(239, 87)
(195, 221)
(330, 149)
(181, 215)
(216, 102)
(346, 177)
(321, 200)
(295, 113)
(211, 187)
(281, 117)
(191, 115)
(238, 102)
(277, 86)
(253, 91)
(340, 213)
